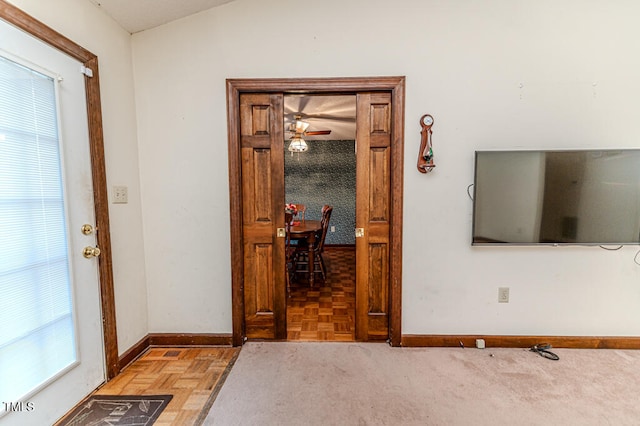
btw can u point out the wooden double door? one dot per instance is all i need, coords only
(256, 127)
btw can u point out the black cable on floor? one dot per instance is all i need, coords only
(542, 349)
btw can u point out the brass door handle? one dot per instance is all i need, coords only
(90, 252)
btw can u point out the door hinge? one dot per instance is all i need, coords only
(86, 71)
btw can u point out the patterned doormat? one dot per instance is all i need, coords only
(138, 410)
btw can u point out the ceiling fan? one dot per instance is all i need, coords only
(299, 128)
(308, 116)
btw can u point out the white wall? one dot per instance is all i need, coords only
(494, 74)
(88, 26)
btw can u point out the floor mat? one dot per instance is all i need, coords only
(138, 410)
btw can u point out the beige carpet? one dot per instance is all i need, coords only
(286, 383)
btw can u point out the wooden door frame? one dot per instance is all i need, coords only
(16, 17)
(348, 85)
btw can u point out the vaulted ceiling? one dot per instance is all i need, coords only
(335, 113)
(140, 15)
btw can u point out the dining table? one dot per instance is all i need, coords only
(307, 230)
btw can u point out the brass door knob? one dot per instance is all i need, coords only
(90, 252)
(86, 229)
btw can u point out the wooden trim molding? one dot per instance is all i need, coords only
(29, 24)
(235, 206)
(575, 342)
(397, 191)
(182, 339)
(133, 352)
(349, 85)
(39, 30)
(103, 234)
(172, 339)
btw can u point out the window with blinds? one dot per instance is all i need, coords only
(37, 339)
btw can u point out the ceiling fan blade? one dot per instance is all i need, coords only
(328, 117)
(304, 100)
(318, 132)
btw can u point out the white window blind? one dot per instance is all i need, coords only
(37, 339)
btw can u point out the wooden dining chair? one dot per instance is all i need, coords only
(290, 252)
(326, 216)
(302, 262)
(300, 244)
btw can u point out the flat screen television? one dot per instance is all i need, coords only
(581, 197)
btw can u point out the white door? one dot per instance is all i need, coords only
(51, 343)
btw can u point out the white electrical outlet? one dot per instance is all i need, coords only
(503, 294)
(333, 229)
(120, 195)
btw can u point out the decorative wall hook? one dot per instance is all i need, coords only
(425, 156)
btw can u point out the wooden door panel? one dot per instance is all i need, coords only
(380, 123)
(259, 300)
(264, 277)
(260, 273)
(379, 185)
(255, 113)
(373, 214)
(257, 185)
(262, 142)
(378, 275)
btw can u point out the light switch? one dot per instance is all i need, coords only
(120, 195)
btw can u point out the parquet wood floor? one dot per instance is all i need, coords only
(192, 375)
(327, 310)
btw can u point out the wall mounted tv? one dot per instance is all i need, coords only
(582, 197)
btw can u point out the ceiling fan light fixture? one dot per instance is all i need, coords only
(298, 144)
(301, 126)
